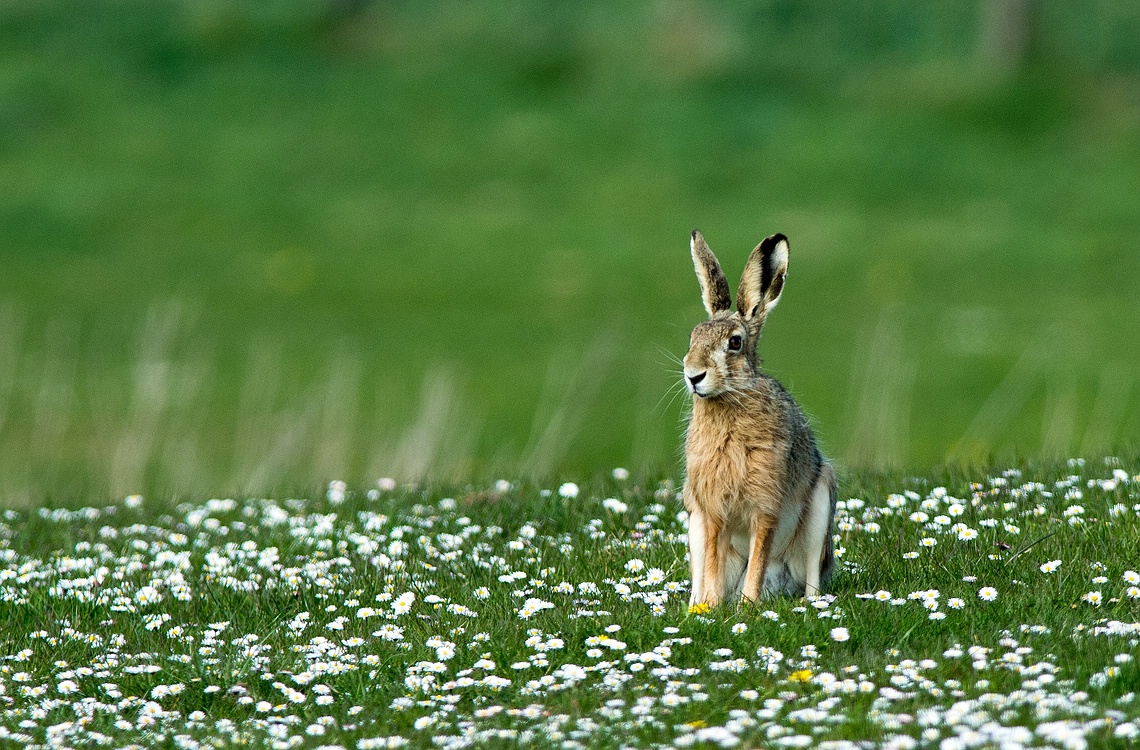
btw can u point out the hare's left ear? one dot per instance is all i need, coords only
(763, 280)
(714, 286)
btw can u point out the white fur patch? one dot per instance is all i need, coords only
(696, 555)
(780, 254)
(778, 260)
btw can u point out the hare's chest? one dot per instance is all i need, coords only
(716, 470)
(726, 474)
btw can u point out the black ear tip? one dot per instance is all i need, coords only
(776, 239)
(696, 233)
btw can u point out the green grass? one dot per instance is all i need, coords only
(247, 247)
(249, 590)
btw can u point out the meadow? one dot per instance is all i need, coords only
(968, 609)
(437, 253)
(246, 247)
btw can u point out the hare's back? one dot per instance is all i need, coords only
(787, 424)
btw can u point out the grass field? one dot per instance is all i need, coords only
(251, 247)
(969, 609)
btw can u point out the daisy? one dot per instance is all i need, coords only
(404, 603)
(987, 593)
(1050, 566)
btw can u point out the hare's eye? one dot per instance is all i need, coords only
(734, 343)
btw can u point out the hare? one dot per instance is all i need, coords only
(761, 498)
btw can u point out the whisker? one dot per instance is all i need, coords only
(672, 357)
(672, 393)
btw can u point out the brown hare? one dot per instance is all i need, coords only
(761, 498)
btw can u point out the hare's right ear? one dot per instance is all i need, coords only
(714, 286)
(763, 280)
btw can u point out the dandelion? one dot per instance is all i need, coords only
(700, 608)
(987, 593)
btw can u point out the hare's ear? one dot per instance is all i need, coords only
(763, 279)
(714, 286)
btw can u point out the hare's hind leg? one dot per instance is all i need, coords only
(817, 529)
(696, 555)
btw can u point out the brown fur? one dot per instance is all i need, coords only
(752, 466)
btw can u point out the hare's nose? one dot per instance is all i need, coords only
(694, 379)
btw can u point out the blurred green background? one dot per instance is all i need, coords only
(250, 245)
